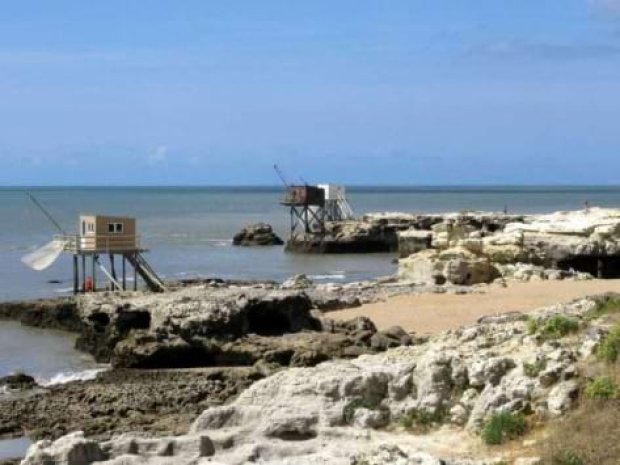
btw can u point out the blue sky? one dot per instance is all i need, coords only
(352, 91)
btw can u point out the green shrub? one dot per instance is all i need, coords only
(503, 427)
(532, 370)
(602, 387)
(554, 328)
(349, 410)
(567, 457)
(532, 325)
(423, 419)
(610, 347)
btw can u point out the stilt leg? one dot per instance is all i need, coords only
(135, 274)
(124, 273)
(83, 273)
(95, 256)
(76, 275)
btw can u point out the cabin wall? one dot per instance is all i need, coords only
(103, 240)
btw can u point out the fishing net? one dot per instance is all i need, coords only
(43, 257)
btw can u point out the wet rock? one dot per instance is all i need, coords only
(18, 381)
(260, 234)
(300, 281)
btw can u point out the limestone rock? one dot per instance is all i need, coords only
(72, 449)
(454, 266)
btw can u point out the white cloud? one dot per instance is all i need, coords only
(158, 156)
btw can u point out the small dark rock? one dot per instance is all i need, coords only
(18, 381)
(260, 234)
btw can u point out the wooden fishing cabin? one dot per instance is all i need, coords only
(115, 237)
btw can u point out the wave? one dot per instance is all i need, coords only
(338, 275)
(69, 376)
(63, 290)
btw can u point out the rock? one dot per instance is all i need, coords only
(260, 234)
(392, 337)
(413, 241)
(453, 266)
(562, 396)
(18, 381)
(528, 461)
(72, 449)
(325, 414)
(300, 281)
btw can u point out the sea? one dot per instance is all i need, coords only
(189, 230)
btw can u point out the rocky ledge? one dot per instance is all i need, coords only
(574, 244)
(362, 410)
(203, 326)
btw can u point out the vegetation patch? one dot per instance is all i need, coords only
(532, 370)
(605, 307)
(503, 427)
(567, 457)
(609, 349)
(603, 387)
(419, 419)
(555, 327)
(349, 410)
(585, 436)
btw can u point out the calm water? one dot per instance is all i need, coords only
(189, 229)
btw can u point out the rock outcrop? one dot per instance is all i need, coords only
(452, 266)
(335, 412)
(260, 234)
(213, 326)
(564, 244)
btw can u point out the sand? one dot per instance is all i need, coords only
(427, 314)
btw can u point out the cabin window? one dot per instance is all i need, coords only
(115, 228)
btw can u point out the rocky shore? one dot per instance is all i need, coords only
(422, 404)
(172, 355)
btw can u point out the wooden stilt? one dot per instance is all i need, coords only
(135, 274)
(83, 273)
(94, 272)
(124, 273)
(76, 275)
(113, 271)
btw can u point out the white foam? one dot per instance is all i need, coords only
(340, 275)
(63, 290)
(69, 376)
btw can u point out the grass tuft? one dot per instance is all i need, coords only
(555, 327)
(503, 427)
(603, 387)
(567, 457)
(532, 370)
(349, 410)
(423, 419)
(609, 348)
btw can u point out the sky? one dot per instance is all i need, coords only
(400, 92)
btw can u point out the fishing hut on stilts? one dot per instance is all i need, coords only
(307, 212)
(98, 236)
(116, 238)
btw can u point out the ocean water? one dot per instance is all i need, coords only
(189, 230)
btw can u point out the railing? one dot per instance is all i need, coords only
(100, 242)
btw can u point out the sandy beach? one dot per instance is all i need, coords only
(428, 314)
